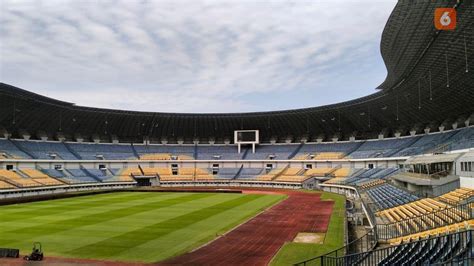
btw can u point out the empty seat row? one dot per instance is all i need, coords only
(430, 250)
(387, 196)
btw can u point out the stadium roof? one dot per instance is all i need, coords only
(428, 84)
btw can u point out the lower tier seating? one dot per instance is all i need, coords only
(292, 175)
(41, 178)
(439, 248)
(270, 175)
(5, 185)
(18, 180)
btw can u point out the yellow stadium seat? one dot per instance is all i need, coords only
(18, 180)
(40, 177)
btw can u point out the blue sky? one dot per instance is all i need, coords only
(192, 55)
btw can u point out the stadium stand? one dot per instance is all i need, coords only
(227, 173)
(155, 156)
(16, 179)
(5, 185)
(371, 183)
(250, 173)
(203, 174)
(463, 139)
(125, 175)
(406, 146)
(292, 175)
(11, 151)
(228, 152)
(442, 248)
(270, 175)
(46, 149)
(41, 178)
(328, 150)
(381, 148)
(277, 152)
(456, 196)
(92, 151)
(425, 144)
(79, 176)
(387, 196)
(151, 171)
(321, 172)
(181, 152)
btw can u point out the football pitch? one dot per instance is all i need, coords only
(127, 226)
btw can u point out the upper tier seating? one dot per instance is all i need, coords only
(381, 148)
(425, 144)
(182, 152)
(46, 150)
(91, 151)
(463, 139)
(278, 152)
(11, 151)
(219, 152)
(405, 146)
(337, 150)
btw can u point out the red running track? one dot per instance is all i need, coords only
(258, 240)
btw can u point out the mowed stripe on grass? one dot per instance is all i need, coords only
(126, 226)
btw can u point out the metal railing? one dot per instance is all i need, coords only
(363, 244)
(448, 216)
(439, 250)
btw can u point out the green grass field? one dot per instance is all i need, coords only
(292, 253)
(126, 226)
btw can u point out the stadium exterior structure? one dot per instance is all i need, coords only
(428, 88)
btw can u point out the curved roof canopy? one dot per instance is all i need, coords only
(430, 82)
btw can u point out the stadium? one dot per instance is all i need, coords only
(385, 179)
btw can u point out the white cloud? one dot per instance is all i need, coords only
(188, 56)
